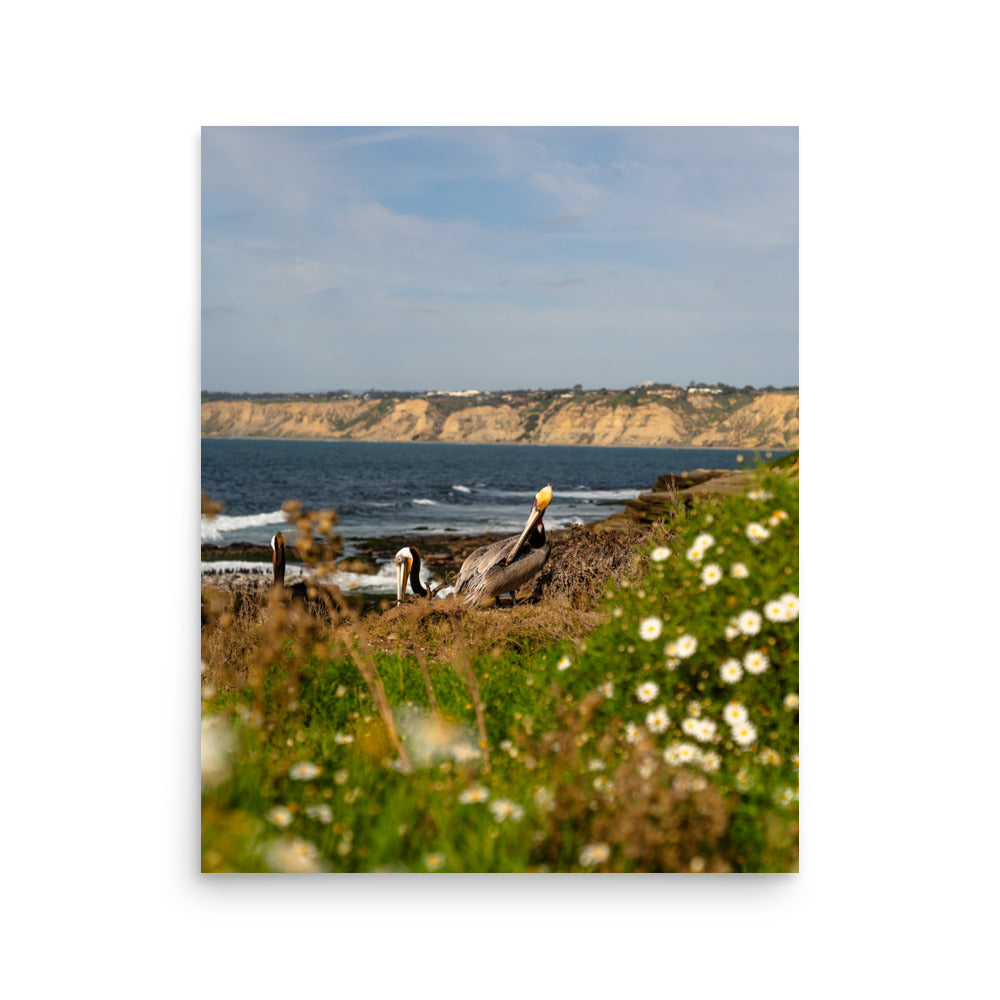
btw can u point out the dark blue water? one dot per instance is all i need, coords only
(390, 488)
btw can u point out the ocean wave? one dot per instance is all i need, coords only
(556, 523)
(462, 489)
(585, 494)
(424, 501)
(213, 529)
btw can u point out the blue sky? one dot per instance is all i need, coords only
(490, 258)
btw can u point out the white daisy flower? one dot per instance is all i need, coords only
(474, 793)
(775, 611)
(601, 782)
(791, 603)
(770, 756)
(304, 770)
(660, 553)
(321, 811)
(710, 762)
(650, 628)
(594, 854)
(694, 708)
(688, 753)
(756, 661)
(694, 554)
(705, 731)
(607, 689)
(647, 691)
(616, 613)
(462, 753)
(791, 701)
(505, 809)
(595, 764)
(731, 631)
(645, 768)
(672, 662)
(686, 646)
(744, 733)
(704, 541)
(343, 738)
(544, 799)
(757, 532)
(294, 856)
(759, 495)
(564, 662)
(731, 671)
(279, 816)
(711, 574)
(657, 721)
(735, 713)
(784, 796)
(690, 726)
(631, 733)
(739, 571)
(748, 623)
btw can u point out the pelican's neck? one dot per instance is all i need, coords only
(278, 561)
(537, 537)
(415, 584)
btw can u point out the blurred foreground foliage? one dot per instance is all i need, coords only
(656, 732)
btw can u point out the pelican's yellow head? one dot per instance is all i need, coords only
(543, 497)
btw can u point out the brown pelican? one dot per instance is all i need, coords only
(408, 565)
(298, 591)
(504, 566)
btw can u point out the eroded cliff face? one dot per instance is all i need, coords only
(761, 420)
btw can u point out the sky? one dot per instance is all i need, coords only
(497, 258)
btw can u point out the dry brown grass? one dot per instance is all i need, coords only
(584, 559)
(433, 627)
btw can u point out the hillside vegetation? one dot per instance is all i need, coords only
(637, 417)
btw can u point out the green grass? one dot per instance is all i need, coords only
(571, 784)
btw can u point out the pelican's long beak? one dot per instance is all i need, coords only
(403, 565)
(542, 499)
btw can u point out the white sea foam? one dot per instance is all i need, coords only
(462, 489)
(213, 530)
(383, 581)
(612, 495)
(421, 500)
(555, 524)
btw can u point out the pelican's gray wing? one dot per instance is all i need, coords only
(497, 577)
(480, 561)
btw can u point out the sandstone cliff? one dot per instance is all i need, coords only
(733, 420)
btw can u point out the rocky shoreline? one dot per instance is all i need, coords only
(447, 552)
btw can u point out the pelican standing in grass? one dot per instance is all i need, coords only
(504, 566)
(297, 591)
(407, 563)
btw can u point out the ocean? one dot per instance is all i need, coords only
(414, 489)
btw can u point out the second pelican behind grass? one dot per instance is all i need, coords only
(504, 566)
